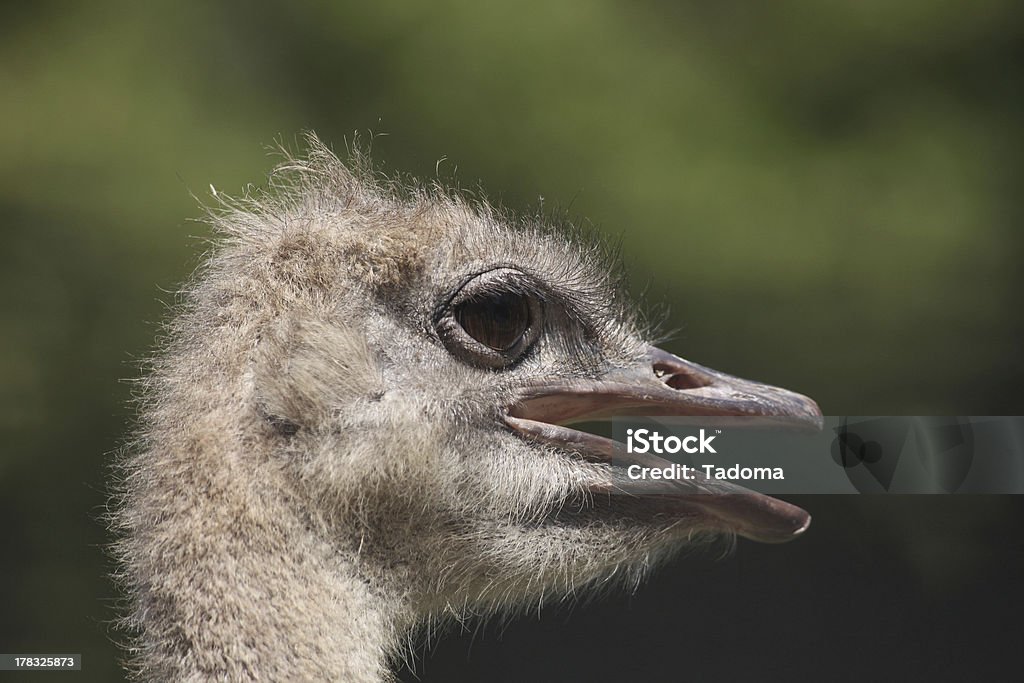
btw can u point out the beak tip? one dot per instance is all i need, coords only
(799, 523)
(804, 525)
(780, 522)
(814, 415)
(796, 528)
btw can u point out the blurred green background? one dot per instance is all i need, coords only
(826, 196)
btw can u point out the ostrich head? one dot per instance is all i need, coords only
(357, 426)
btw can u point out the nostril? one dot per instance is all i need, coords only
(679, 380)
(685, 382)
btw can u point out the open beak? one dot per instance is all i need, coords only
(667, 385)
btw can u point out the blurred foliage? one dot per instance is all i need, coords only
(826, 195)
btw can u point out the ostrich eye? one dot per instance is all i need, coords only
(492, 320)
(498, 321)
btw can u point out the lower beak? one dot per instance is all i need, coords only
(667, 385)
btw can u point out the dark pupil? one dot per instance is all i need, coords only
(498, 321)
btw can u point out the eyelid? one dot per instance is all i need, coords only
(493, 281)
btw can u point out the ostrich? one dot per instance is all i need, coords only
(355, 431)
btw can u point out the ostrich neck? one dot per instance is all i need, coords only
(234, 580)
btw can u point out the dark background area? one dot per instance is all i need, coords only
(825, 195)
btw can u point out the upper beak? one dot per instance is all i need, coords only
(663, 386)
